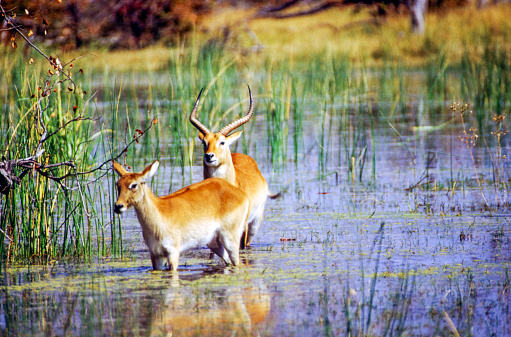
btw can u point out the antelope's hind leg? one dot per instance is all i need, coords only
(253, 226)
(218, 247)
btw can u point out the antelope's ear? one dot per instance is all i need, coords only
(233, 137)
(201, 136)
(150, 170)
(118, 168)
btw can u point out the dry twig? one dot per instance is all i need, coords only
(8, 178)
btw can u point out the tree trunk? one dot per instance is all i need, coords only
(418, 12)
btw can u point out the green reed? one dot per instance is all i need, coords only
(277, 114)
(44, 219)
(348, 108)
(437, 79)
(487, 83)
(298, 107)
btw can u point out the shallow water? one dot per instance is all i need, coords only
(400, 253)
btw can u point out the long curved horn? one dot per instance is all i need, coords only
(237, 123)
(194, 120)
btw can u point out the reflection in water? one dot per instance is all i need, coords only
(228, 311)
(128, 301)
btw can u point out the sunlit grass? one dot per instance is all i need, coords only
(358, 35)
(350, 31)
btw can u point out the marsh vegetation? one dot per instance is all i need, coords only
(394, 220)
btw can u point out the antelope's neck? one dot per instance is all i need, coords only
(148, 213)
(224, 171)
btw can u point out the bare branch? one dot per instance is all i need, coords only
(76, 119)
(281, 7)
(317, 7)
(31, 164)
(99, 167)
(17, 28)
(154, 121)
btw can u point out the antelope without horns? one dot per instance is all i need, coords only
(239, 311)
(238, 169)
(211, 212)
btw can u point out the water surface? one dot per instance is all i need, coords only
(406, 245)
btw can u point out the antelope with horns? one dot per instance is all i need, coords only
(211, 212)
(237, 168)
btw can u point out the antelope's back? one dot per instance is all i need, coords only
(212, 197)
(249, 178)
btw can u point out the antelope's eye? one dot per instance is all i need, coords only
(133, 187)
(222, 143)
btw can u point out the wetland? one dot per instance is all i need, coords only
(394, 217)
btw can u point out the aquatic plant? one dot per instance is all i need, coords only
(345, 103)
(48, 159)
(469, 138)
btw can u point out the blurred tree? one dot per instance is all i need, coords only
(292, 8)
(417, 10)
(138, 23)
(111, 23)
(149, 21)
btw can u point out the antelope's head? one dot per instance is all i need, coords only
(216, 145)
(130, 186)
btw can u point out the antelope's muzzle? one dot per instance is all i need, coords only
(119, 208)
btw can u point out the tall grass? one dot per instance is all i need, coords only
(43, 219)
(323, 94)
(346, 100)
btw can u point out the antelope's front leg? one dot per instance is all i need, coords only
(157, 262)
(173, 259)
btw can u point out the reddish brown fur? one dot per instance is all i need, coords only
(211, 212)
(241, 171)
